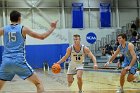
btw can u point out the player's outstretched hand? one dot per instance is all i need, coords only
(53, 24)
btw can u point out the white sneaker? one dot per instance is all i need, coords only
(137, 77)
(80, 91)
(120, 91)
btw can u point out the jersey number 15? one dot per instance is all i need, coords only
(12, 36)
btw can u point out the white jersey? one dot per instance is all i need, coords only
(77, 57)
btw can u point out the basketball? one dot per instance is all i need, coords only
(56, 68)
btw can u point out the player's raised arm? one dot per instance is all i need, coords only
(38, 35)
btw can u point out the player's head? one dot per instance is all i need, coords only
(76, 39)
(15, 16)
(122, 38)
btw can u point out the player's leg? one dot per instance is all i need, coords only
(122, 76)
(122, 80)
(36, 81)
(2, 82)
(5, 77)
(132, 73)
(6, 71)
(70, 79)
(79, 78)
(25, 71)
(131, 77)
(71, 71)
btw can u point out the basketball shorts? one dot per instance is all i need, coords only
(133, 68)
(73, 67)
(11, 67)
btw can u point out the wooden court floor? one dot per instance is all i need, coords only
(93, 82)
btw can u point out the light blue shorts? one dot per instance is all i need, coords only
(11, 67)
(133, 68)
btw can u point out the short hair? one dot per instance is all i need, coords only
(14, 16)
(123, 36)
(76, 35)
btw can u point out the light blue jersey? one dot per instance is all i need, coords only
(125, 51)
(14, 43)
(127, 58)
(13, 59)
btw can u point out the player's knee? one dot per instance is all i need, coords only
(123, 72)
(79, 77)
(70, 81)
(122, 75)
(37, 83)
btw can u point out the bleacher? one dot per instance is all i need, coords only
(99, 44)
(108, 39)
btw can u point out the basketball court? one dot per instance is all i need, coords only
(93, 82)
(97, 22)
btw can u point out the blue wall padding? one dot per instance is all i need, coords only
(36, 55)
(105, 15)
(77, 15)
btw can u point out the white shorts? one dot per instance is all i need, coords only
(73, 67)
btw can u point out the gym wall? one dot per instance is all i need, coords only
(53, 48)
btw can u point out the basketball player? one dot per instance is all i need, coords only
(13, 59)
(77, 53)
(129, 64)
